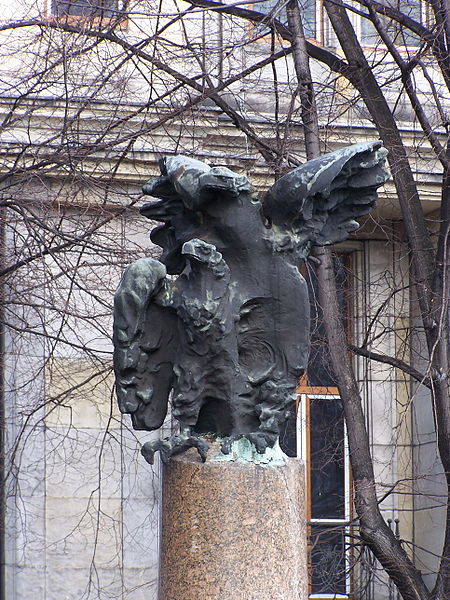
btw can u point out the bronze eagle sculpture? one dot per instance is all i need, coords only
(227, 339)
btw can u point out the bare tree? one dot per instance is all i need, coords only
(90, 102)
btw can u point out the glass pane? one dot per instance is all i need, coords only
(327, 559)
(369, 35)
(400, 35)
(277, 8)
(413, 9)
(327, 459)
(85, 8)
(308, 10)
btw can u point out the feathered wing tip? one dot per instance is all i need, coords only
(145, 335)
(320, 200)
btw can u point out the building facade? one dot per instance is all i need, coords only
(92, 96)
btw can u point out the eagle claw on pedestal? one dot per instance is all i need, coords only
(172, 446)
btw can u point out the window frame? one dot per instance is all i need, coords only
(325, 36)
(319, 25)
(357, 21)
(305, 394)
(120, 16)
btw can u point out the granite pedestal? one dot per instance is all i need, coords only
(233, 528)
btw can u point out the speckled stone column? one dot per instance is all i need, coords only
(232, 530)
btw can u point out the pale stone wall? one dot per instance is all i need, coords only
(381, 320)
(83, 506)
(430, 501)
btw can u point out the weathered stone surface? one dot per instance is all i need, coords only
(247, 543)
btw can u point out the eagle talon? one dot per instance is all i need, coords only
(228, 442)
(174, 445)
(262, 440)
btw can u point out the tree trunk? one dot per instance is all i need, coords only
(438, 346)
(305, 84)
(374, 530)
(362, 77)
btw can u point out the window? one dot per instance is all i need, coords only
(318, 435)
(321, 440)
(277, 9)
(317, 26)
(400, 35)
(322, 444)
(104, 9)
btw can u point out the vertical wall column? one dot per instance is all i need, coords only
(233, 529)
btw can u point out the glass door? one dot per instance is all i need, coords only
(321, 442)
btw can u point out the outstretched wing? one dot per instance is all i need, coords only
(145, 340)
(319, 201)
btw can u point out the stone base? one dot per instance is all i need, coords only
(233, 529)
